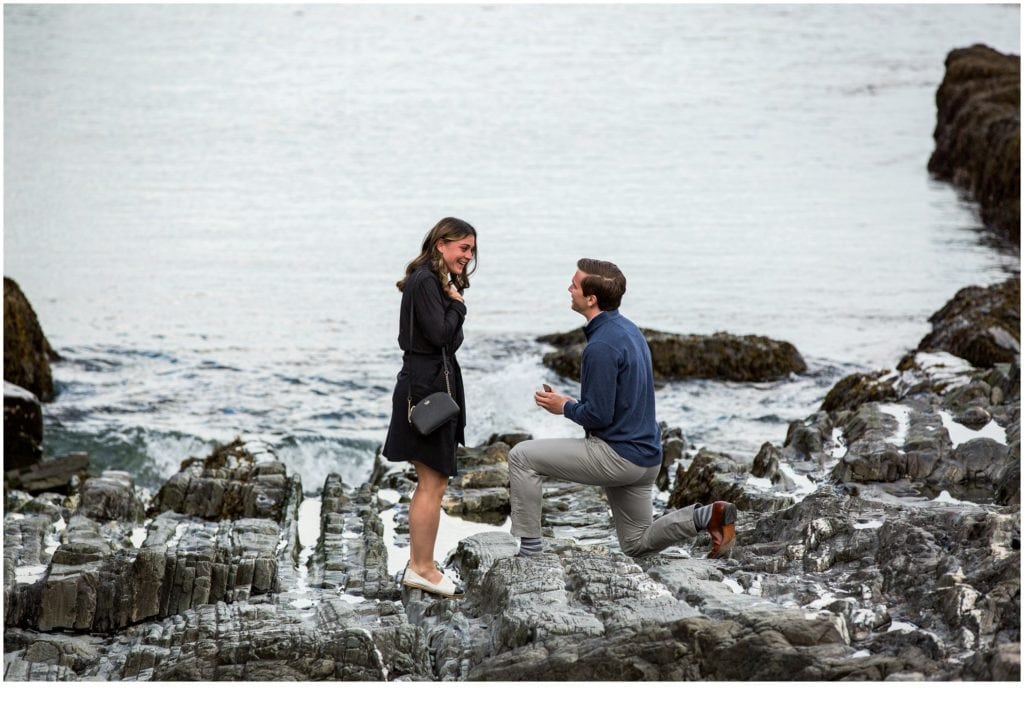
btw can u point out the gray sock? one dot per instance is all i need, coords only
(529, 546)
(702, 516)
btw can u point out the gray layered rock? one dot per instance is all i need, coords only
(111, 497)
(248, 641)
(110, 571)
(721, 356)
(236, 481)
(98, 581)
(480, 491)
(350, 554)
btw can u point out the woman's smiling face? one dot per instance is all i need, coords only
(457, 254)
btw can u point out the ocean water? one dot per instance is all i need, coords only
(208, 206)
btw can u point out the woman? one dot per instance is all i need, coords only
(430, 323)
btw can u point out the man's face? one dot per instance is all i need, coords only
(579, 300)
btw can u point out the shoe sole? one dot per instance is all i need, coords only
(728, 533)
(410, 585)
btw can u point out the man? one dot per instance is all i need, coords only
(622, 448)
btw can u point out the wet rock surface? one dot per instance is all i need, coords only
(720, 356)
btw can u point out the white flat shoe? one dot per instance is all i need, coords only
(446, 587)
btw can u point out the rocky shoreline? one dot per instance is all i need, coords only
(880, 540)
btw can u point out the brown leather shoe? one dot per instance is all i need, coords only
(722, 528)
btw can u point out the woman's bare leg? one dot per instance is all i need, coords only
(424, 517)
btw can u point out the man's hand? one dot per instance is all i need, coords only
(552, 401)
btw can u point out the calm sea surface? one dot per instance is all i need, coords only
(208, 206)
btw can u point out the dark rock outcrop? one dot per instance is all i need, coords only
(27, 353)
(860, 387)
(977, 134)
(980, 325)
(23, 427)
(720, 356)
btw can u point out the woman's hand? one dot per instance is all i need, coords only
(453, 292)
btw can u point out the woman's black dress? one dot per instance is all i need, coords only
(439, 321)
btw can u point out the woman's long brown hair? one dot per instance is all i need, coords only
(448, 229)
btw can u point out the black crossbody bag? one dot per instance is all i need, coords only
(434, 410)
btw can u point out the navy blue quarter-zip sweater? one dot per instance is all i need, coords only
(617, 390)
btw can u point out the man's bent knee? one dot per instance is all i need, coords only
(516, 457)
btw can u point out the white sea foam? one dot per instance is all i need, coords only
(958, 433)
(139, 534)
(29, 574)
(947, 498)
(759, 482)
(53, 537)
(802, 483)
(839, 448)
(389, 496)
(902, 416)
(820, 603)
(309, 521)
(736, 587)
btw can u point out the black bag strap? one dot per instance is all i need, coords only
(444, 355)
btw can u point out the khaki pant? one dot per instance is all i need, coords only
(592, 461)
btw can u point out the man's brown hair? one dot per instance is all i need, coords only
(604, 280)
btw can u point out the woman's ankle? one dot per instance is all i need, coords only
(428, 572)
